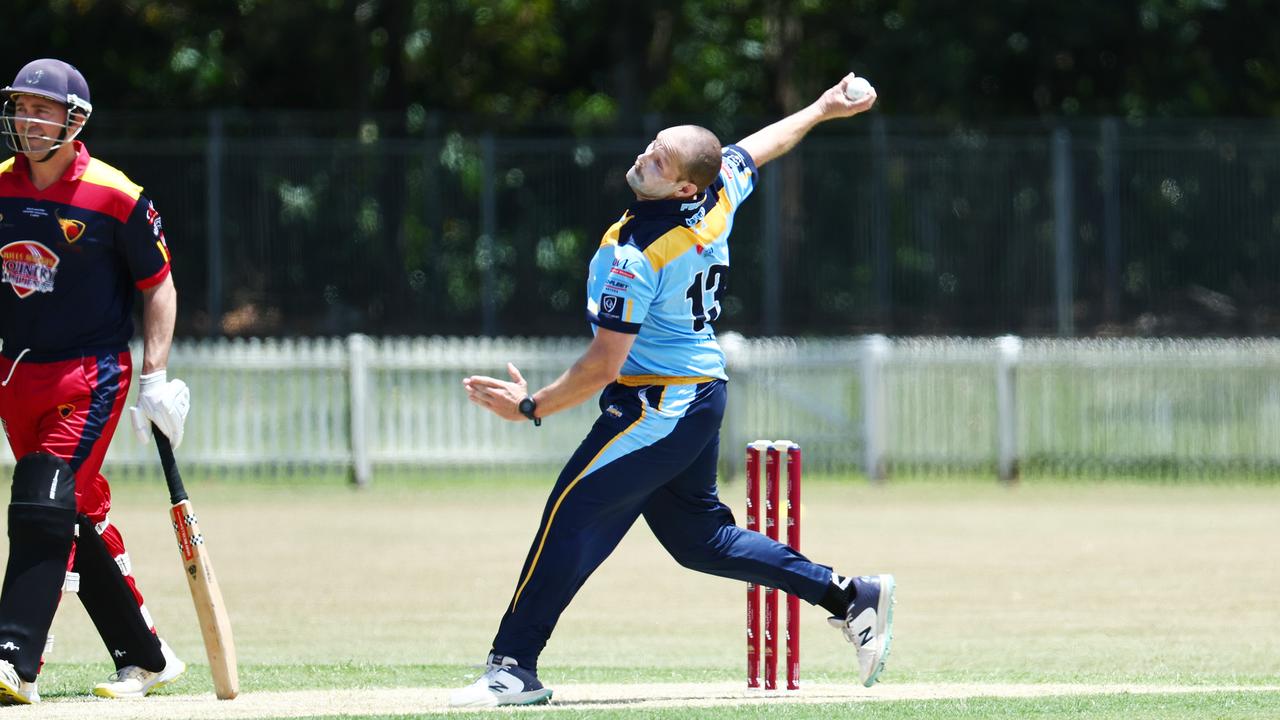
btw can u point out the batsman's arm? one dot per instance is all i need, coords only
(159, 311)
(778, 139)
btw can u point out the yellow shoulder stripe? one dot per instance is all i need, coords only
(677, 241)
(6, 166)
(614, 232)
(100, 173)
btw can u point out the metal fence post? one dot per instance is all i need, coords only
(1063, 230)
(213, 152)
(1008, 351)
(1111, 217)
(358, 382)
(881, 250)
(875, 352)
(771, 292)
(486, 249)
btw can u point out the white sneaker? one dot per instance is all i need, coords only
(13, 689)
(503, 683)
(132, 681)
(869, 624)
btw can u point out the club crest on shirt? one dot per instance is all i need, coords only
(611, 307)
(71, 229)
(29, 267)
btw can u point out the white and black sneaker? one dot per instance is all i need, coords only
(868, 624)
(13, 689)
(133, 681)
(504, 682)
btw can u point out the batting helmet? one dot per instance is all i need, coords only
(53, 79)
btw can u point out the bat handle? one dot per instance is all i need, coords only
(177, 492)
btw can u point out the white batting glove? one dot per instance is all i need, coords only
(161, 402)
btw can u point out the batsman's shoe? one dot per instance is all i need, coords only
(503, 683)
(132, 681)
(13, 689)
(869, 624)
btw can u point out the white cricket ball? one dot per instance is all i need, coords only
(857, 88)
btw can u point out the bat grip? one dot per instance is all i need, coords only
(177, 492)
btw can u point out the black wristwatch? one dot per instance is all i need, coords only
(527, 407)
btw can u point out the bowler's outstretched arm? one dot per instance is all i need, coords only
(777, 139)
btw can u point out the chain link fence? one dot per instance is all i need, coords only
(290, 226)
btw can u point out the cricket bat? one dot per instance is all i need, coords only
(211, 612)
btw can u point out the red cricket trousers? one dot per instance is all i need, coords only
(70, 408)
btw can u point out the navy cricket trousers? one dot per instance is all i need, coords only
(653, 451)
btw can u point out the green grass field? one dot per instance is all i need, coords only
(1160, 587)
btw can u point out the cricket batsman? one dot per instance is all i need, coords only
(77, 239)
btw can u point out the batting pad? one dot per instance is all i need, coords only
(111, 605)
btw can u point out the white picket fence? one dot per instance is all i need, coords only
(866, 405)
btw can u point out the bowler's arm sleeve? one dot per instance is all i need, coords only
(620, 289)
(737, 174)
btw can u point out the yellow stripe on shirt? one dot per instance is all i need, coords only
(615, 231)
(100, 173)
(642, 380)
(679, 240)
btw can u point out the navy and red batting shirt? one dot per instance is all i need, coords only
(72, 255)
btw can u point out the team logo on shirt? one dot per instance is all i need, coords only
(29, 267)
(157, 229)
(611, 307)
(71, 229)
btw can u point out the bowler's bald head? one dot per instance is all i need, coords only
(699, 151)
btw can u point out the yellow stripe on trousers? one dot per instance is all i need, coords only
(556, 507)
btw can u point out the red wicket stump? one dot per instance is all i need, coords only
(772, 455)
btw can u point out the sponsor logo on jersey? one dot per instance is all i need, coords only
(734, 160)
(694, 219)
(153, 219)
(29, 267)
(71, 229)
(157, 229)
(611, 307)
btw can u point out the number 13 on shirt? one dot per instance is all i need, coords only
(711, 283)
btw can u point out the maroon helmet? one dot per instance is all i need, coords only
(58, 81)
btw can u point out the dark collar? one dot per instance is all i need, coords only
(678, 209)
